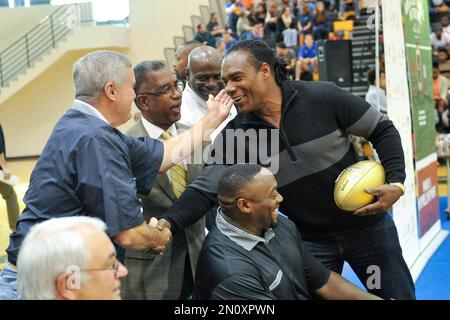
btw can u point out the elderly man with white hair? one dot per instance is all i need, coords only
(89, 168)
(69, 259)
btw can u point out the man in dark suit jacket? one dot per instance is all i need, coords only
(167, 276)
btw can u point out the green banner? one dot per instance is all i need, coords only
(419, 61)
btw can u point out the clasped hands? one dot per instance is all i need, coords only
(162, 235)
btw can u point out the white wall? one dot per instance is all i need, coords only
(18, 21)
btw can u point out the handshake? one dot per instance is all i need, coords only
(161, 235)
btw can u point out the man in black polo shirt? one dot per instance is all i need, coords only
(300, 131)
(6, 190)
(246, 257)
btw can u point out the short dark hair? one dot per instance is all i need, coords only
(281, 44)
(371, 76)
(236, 178)
(260, 52)
(142, 69)
(435, 64)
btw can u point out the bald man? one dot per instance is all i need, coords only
(203, 78)
(181, 57)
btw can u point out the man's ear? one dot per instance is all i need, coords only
(265, 69)
(187, 73)
(64, 287)
(243, 205)
(141, 102)
(110, 90)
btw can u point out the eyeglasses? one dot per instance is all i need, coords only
(169, 89)
(115, 267)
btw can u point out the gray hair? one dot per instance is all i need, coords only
(50, 249)
(94, 70)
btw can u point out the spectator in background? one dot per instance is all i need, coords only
(181, 57)
(233, 10)
(440, 91)
(321, 24)
(271, 21)
(307, 57)
(6, 190)
(229, 41)
(444, 62)
(287, 27)
(436, 9)
(213, 26)
(258, 14)
(372, 93)
(220, 46)
(287, 57)
(439, 38)
(343, 6)
(69, 258)
(445, 25)
(306, 19)
(204, 36)
(244, 30)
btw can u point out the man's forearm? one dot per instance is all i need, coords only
(386, 140)
(337, 288)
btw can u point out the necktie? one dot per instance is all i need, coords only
(177, 173)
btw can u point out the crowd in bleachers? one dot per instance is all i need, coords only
(290, 27)
(440, 45)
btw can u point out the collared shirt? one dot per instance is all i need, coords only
(194, 108)
(89, 168)
(245, 266)
(93, 110)
(246, 240)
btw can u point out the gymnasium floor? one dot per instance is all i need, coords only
(433, 283)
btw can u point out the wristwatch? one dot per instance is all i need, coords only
(400, 185)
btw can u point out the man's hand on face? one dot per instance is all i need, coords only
(387, 195)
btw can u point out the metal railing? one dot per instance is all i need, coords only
(20, 55)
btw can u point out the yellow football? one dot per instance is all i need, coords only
(349, 189)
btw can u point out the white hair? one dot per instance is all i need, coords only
(48, 250)
(95, 69)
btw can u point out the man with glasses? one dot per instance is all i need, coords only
(203, 78)
(257, 255)
(170, 276)
(69, 258)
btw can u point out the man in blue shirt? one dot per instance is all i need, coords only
(307, 57)
(90, 168)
